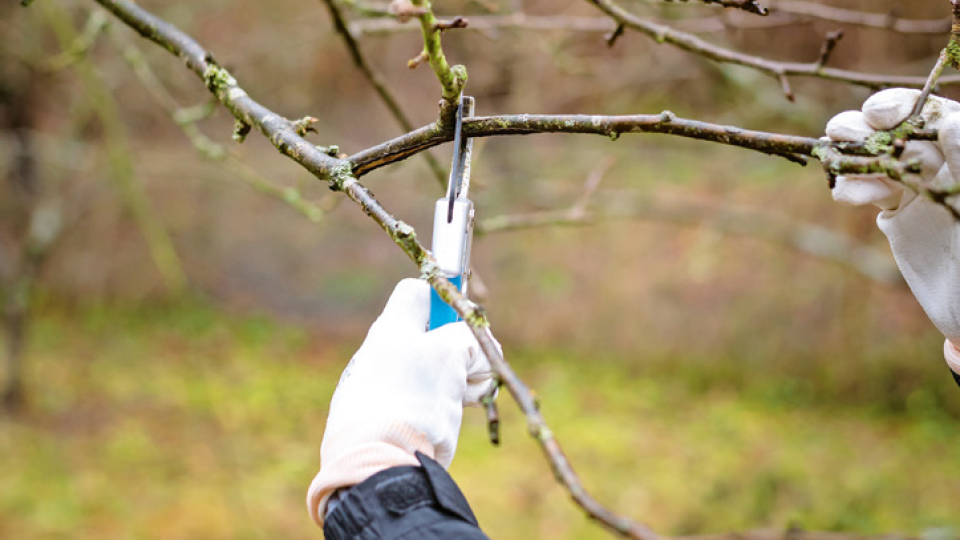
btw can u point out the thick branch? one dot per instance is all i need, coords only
(787, 146)
(791, 147)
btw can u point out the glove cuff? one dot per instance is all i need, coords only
(390, 445)
(952, 354)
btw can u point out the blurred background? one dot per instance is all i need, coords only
(722, 348)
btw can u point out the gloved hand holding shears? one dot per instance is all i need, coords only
(405, 388)
(924, 237)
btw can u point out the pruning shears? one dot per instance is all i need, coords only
(453, 222)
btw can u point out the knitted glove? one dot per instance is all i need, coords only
(403, 392)
(924, 237)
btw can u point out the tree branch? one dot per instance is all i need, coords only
(787, 146)
(778, 70)
(883, 21)
(807, 238)
(570, 23)
(451, 79)
(84, 41)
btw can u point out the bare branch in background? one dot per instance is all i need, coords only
(78, 48)
(882, 21)
(572, 23)
(782, 13)
(187, 121)
(801, 10)
(577, 214)
(778, 70)
(808, 238)
(132, 192)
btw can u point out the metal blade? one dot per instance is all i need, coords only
(459, 182)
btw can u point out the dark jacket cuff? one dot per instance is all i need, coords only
(399, 500)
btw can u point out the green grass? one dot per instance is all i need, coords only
(183, 422)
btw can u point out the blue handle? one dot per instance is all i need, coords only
(440, 312)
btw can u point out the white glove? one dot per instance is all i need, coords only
(924, 237)
(883, 111)
(403, 392)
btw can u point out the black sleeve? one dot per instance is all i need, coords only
(956, 377)
(404, 503)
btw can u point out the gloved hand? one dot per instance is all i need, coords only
(924, 237)
(403, 391)
(886, 110)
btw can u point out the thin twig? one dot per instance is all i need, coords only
(85, 40)
(452, 78)
(799, 9)
(829, 44)
(569, 23)
(750, 6)
(947, 56)
(591, 185)
(929, 85)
